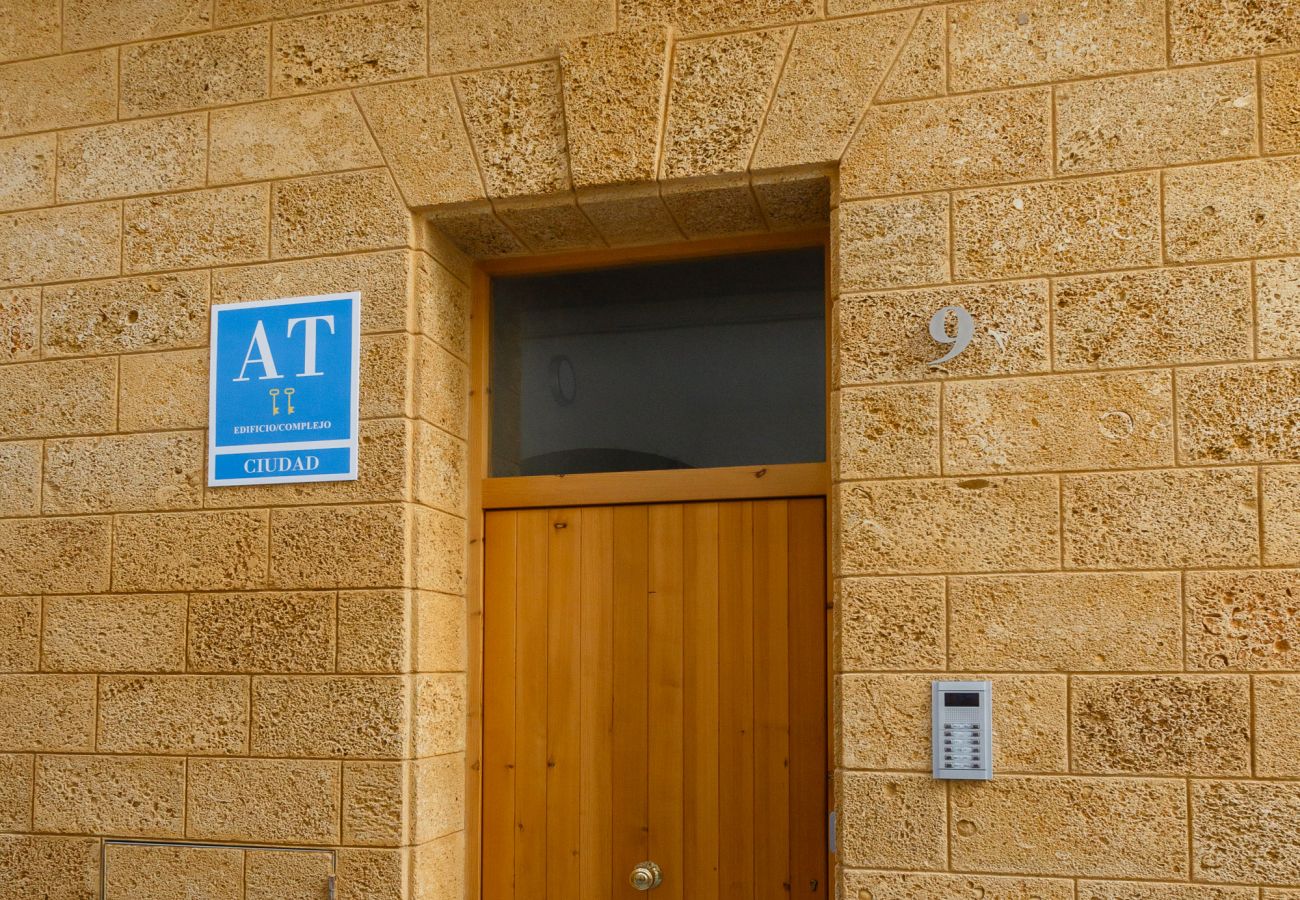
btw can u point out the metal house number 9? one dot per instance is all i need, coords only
(957, 342)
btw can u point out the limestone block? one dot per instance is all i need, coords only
(220, 226)
(28, 28)
(441, 623)
(466, 34)
(54, 555)
(419, 126)
(127, 158)
(886, 336)
(613, 96)
(792, 199)
(475, 231)
(374, 631)
(20, 478)
(372, 874)
(440, 710)
(893, 243)
(47, 713)
(58, 91)
(921, 68)
(143, 872)
(52, 868)
(1057, 227)
(20, 630)
(157, 312)
(305, 542)
(629, 214)
(1245, 832)
(61, 243)
(719, 91)
(114, 633)
(173, 714)
(285, 875)
(27, 171)
(440, 469)
(122, 473)
(1135, 890)
(1249, 208)
(1108, 827)
(1203, 30)
(442, 388)
(264, 632)
(886, 431)
(1188, 314)
(1160, 725)
(713, 206)
(374, 803)
(20, 324)
(385, 375)
(288, 138)
(264, 800)
(942, 525)
(194, 72)
(950, 142)
(546, 226)
(438, 789)
(355, 46)
(1277, 741)
(1066, 622)
(516, 124)
(1281, 515)
(439, 541)
(442, 303)
(1049, 423)
(696, 16)
(890, 623)
(1277, 298)
(238, 12)
(380, 277)
(1006, 42)
(1158, 119)
(917, 886)
(891, 820)
(164, 391)
(342, 716)
(1161, 518)
(1243, 621)
(337, 214)
(827, 81)
(127, 796)
(1281, 90)
(87, 23)
(1238, 413)
(190, 551)
(438, 868)
(16, 791)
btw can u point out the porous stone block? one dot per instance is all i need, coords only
(304, 544)
(861, 884)
(442, 304)
(190, 551)
(1101, 827)
(52, 868)
(893, 243)
(950, 142)
(58, 91)
(1057, 227)
(1066, 622)
(1160, 725)
(155, 312)
(1281, 515)
(238, 12)
(143, 872)
(442, 388)
(114, 633)
(87, 23)
(1243, 621)
(273, 801)
(193, 72)
(160, 391)
(20, 634)
(28, 28)
(440, 710)
(1245, 832)
(341, 716)
(43, 399)
(121, 473)
(1277, 299)
(939, 525)
(1138, 890)
(696, 16)
(1277, 741)
(27, 171)
(374, 803)
(386, 362)
(1238, 413)
(890, 623)
(439, 541)
(337, 214)
(886, 431)
(16, 791)
(629, 214)
(54, 555)
(264, 632)
(1249, 208)
(20, 324)
(128, 796)
(374, 631)
(1157, 119)
(441, 625)
(793, 199)
(713, 206)
(20, 478)
(1049, 423)
(1161, 519)
(173, 714)
(127, 158)
(220, 226)
(516, 124)
(365, 874)
(47, 713)
(613, 97)
(1203, 30)
(288, 138)
(350, 47)
(438, 792)
(921, 68)
(466, 34)
(438, 868)
(548, 226)
(719, 91)
(891, 820)
(475, 231)
(1281, 90)
(1188, 314)
(56, 244)
(286, 875)
(1006, 42)
(828, 79)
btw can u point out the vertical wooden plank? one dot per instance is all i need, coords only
(736, 698)
(700, 703)
(666, 700)
(771, 702)
(808, 700)
(499, 707)
(595, 859)
(631, 701)
(563, 702)
(530, 701)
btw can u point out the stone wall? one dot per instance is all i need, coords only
(1095, 505)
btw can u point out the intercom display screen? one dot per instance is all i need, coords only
(962, 698)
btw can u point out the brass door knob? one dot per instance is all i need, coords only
(647, 876)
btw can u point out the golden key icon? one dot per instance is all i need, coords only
(275, 409)
(288, 399)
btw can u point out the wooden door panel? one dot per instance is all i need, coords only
(665, 638)
(700, 700)
(631, 812)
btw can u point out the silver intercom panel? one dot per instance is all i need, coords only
(962, 736)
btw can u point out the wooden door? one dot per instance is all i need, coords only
(655, 689)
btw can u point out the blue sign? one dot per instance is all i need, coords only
(283, 390)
